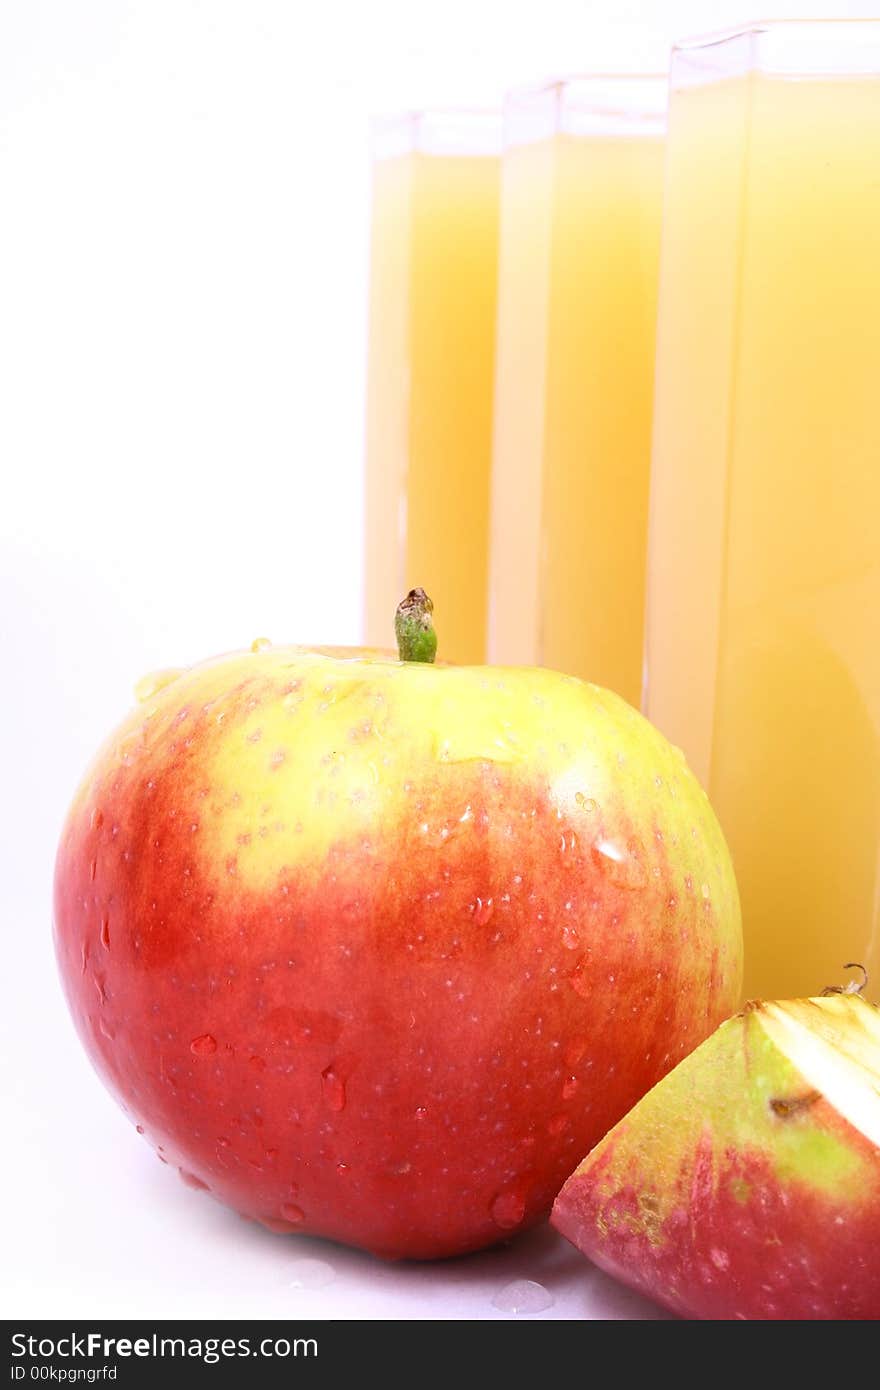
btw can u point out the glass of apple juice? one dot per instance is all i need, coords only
(434, 260)
(581, 194)
(762, 654)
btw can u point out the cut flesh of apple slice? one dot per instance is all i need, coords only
(835, 1042)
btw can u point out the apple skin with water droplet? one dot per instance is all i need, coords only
(746, 1184)
(385, 946)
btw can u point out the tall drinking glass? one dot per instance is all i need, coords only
(763, 659)
(431, 368)
(580, 232)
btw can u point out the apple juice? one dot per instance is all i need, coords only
(580, 232)
(431, 369)
(763, 661)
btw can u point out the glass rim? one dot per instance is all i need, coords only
(787, 48)
(437, 130)
(755, 28)
(573, 79)
(601, 104)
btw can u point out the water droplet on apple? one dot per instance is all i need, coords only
(523, 1296)
(570, 938)
(150, 685)
(569, 1087)
(704, 889)
(343, 1170)
(623, 865)
(441, 834)
(105, 932)
(192, 1181)
(260, 644)
(575, 1049)
(93, 869)
(274, 1224)
(508, 1207)
(333, 1089)
(139, 1129)
(586, 803)
(203, 1046)
(483, 910)
(581, 982)
(477, 745)
(421, 1112)
(96, 819)
(311, 1274)
(292, 1213)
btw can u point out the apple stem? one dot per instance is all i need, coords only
(414, 629)
(854, 986)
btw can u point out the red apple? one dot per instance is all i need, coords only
(747, 1183)
(374, 949)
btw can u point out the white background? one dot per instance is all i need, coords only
(184, 202)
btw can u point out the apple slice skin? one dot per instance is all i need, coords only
(373, 950)
(734, 1190)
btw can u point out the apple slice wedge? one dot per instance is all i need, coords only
(746, 1183)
